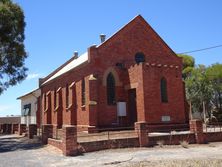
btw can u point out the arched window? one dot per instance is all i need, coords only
(83, 92)
(55, 105)
(163, 89)
(67, 95)
(44, 96)
(110, 81)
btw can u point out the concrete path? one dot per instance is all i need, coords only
(21, 152)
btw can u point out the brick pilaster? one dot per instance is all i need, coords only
(196, 126)
(69, 140)
(32, 130)
(47, 132)
(21, 129)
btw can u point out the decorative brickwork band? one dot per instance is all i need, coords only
(196, 127)
(47, 132)
(69, 140)
(141, 129)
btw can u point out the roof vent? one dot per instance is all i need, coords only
(75, 55)
(102, 38)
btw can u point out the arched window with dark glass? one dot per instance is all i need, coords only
(67, 95)
(110, 81)
(83, 92)
(163, 89)
(55, 105)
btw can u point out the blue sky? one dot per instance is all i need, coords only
(55, 29)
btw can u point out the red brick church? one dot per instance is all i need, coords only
(130, 77)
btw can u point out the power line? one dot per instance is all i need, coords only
(199, 50)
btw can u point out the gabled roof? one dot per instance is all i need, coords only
(29, 93)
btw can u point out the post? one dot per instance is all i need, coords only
(69, 140)
(196, 126)
(47, 132)
(32, 130)
(142, 131)
(191, 116)
(204, 112)
(21, 129)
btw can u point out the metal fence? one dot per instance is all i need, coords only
(213, 127)
(107, 134)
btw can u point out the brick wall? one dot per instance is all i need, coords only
(213, 136)
(107, 144)
(172, 139)
(56, 143)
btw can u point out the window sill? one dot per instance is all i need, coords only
(69, 107)
(56, 109)
(92, 103)
(46, 110)
(83, 107)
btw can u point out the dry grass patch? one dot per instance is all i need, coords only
(160, 143)
(184, 144)
(178, 163)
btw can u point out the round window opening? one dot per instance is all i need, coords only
(139, 58)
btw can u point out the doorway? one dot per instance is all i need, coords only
(132, 109)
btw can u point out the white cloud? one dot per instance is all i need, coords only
(33, 76)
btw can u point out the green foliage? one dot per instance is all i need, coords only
(188, 64)
(198, 88)
(12, 50)
(214, 75)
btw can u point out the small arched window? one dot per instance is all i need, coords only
(110, 81)
(44, 96)
(163, 89)
(55, 105)
(83, 92)
(67, 95)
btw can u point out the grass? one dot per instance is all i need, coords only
(160, 143)
(184, 144)
(178, 163)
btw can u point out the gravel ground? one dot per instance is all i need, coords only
(18, 151)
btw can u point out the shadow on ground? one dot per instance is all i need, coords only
(14, 142)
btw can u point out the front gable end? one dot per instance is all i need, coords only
(138, 37)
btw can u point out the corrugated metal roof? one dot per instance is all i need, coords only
(71, 65)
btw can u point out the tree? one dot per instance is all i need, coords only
(12, 50)
(188, 64)
(199, 90)
(214, 75)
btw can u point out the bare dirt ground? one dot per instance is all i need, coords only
(20, 152)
